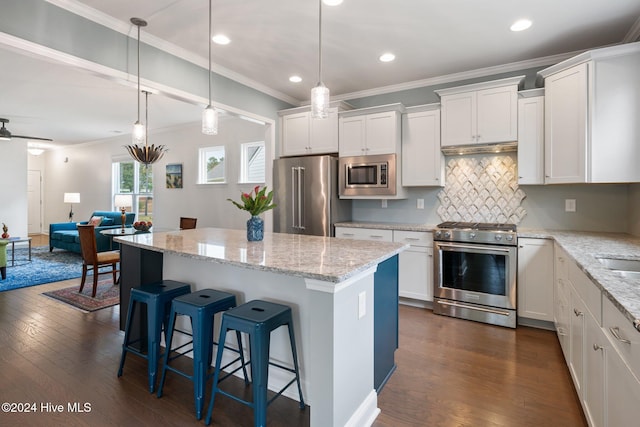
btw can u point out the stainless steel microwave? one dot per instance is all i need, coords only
(368, 175)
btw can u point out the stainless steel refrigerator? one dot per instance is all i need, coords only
(306, 193)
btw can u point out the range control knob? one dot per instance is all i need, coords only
(498, 237)
(447, 234)
(438, 233)
(509, 238)
(472, 235)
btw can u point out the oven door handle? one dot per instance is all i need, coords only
(474, 307)
(473, 247)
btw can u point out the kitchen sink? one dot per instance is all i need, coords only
(626, 267)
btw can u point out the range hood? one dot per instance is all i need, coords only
(459, 150)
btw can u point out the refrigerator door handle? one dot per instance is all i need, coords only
(301, 190)
(294, 204)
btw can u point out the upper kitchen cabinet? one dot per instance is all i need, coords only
(302, 135)
(531, 137)
(422, 160)
(370, 131)
(592, 105)
(481, 113)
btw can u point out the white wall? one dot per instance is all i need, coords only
(13, 187)
(86, 169)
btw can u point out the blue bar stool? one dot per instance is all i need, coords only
(201, 306)
(157, 297)
(258, 319)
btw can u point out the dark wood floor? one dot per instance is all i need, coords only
(450, 372)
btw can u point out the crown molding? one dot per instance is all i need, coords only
(127, 29)
(456, 77)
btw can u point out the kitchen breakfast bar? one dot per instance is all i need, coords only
(343, 294)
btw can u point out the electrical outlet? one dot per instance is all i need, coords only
(570, 205)
(384, 203)
(362, 304)
(420, 204)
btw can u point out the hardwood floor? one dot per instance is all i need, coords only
(450, 372)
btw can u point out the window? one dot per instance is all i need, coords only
(211, 165)
(130, 177)
(253, 162)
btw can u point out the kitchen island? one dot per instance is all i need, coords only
(328, 283)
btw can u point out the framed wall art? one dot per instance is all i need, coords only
(174, 175)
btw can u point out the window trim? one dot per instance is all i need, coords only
(243, 162)
(202, 165)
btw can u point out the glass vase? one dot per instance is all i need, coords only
(255, 229)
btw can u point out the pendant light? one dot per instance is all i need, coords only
(210, 115)
(148, 154)
(143, 154)
(138, 129)
(320, 93)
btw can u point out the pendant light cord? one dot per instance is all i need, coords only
(320, 41)
(138, 73)
(146, 120)
(210, 36)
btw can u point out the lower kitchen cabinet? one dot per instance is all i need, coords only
(600, 346)
(415, 271)
(535, 279)
(577, 341)
(416, 265)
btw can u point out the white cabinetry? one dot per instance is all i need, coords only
(422, 160)
(592, 103)
(531, 137)
(415, 273)
(364, 234)
(482, 113)
(535, 279)
(300, 134)
(603, 352)
(415, 265)
(370, 131)
(562, 298)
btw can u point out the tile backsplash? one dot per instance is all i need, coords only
(482, 189)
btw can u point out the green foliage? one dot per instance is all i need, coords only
(213, 162)
(255, 205)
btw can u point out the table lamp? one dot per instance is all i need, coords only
(71, 198)
(123, 201)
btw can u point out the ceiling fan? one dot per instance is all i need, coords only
(5, 135)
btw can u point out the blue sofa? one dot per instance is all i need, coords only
(64, 235)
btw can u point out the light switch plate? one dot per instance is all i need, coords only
(362, 304)
(384, 203)
(420, 204)
(570, 205)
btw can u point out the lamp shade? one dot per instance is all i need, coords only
(123, 201)
(71, 197)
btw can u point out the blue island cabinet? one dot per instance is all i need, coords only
(385, 323)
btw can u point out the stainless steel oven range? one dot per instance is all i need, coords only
(475, 268)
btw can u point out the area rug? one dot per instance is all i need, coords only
(44, 267)
(107, 295)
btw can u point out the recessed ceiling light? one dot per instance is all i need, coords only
(520, 25)
(295, 79)
(332, 2)
(387, 57)
(221, 39)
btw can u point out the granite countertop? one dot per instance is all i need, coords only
(388, 226)
(584, 248)
(321, 258)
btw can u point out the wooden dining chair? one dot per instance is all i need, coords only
(187, 223)
(92, 259)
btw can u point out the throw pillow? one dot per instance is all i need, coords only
(95, 221)
(106, 221)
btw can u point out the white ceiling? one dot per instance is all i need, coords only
(273, 39)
